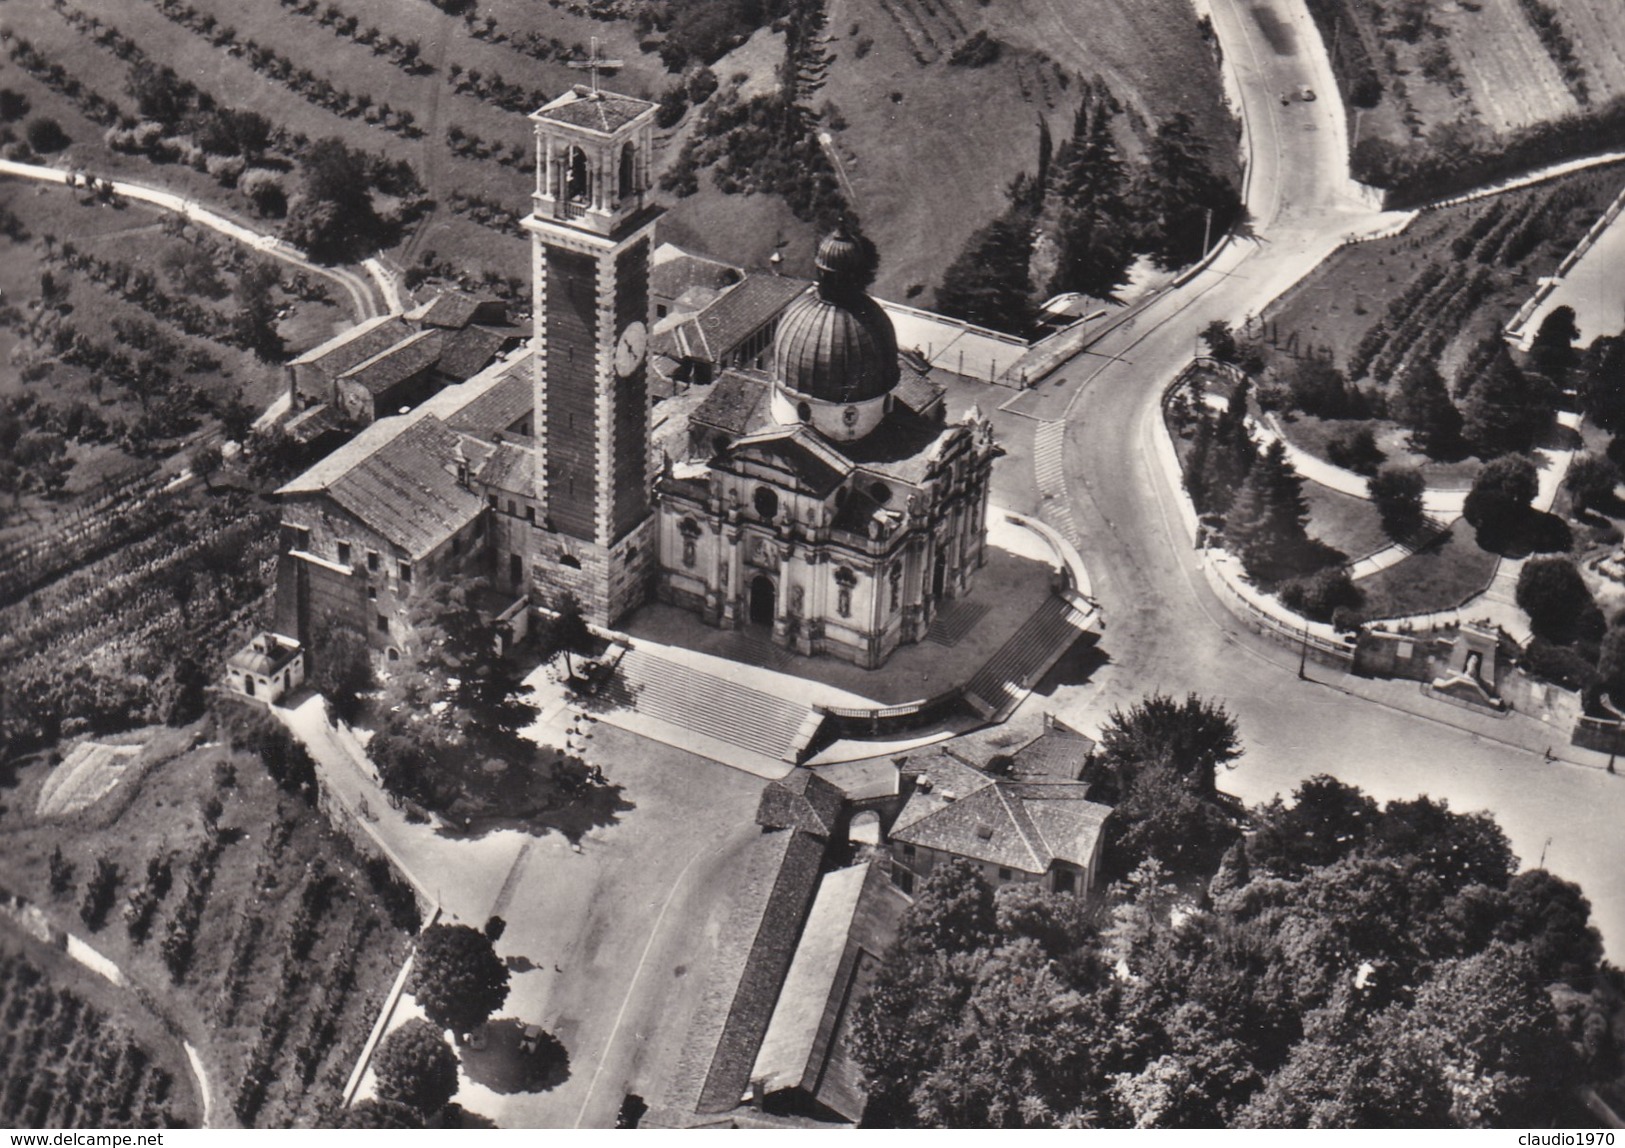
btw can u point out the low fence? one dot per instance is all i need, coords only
(1515, 329)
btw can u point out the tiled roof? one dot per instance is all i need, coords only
(736, 404)
(404, 489)
(674, 271)
(463, 353)
(600, 111)
(356, 345)
(770, 889)
(1012, 824)
(918, 393)
(854, 919)
(735, 315)
(511, 468)
(1057, 754)
(396, 364)
(800, 800)
(448, 309)
(498, 407)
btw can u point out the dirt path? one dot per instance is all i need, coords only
(355, 286)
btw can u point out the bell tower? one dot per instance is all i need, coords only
(592, 233)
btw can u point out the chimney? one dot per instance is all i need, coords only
(949, 795)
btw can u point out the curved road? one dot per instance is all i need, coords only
(1166, 629)
(361, 296)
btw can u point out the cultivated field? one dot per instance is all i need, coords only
(930, 145)
(258, 929)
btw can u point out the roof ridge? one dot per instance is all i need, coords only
(1023, 821)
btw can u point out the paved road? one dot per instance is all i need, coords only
(1165, 628)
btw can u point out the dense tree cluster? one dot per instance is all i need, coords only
(1348, 965)
(1096, 213)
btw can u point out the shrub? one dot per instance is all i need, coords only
(1558, 664)
(227, 170)
(1355, 448)
(1322, 594)
(45, 135)
(264, 189)
(1397, 494)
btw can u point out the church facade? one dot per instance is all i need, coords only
(825, 500)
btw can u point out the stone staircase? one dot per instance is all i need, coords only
(690, 699)
(1004, 680)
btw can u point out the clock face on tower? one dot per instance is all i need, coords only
(630, 348)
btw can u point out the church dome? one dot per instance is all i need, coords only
(835, 344)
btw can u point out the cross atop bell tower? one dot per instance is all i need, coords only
(592, 236)
(592, 157)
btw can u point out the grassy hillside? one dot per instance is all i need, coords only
(928, 143)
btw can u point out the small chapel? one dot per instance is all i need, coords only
(817, 492)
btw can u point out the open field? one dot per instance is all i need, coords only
(1510, 79)
(312, 965)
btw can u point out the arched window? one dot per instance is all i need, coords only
(844, 581)
(804, 412)
(896, 580)
(570, 561)
(766, 502)
(575, 176)
(629, 171)
(881, 493)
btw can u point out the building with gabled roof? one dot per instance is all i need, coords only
(735, 329)
(805, 1064)
(801, 800)
(1013, 831)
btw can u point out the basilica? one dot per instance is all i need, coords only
(812, 487)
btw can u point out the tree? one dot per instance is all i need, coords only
(1552, 593)
(1602, 382)
(1423, 404)
(1318, 388)
(1500, 496)
(953, 912)
(192, 272)
(989, 283)
(100, 891)
(416, 1067)
(1550, 919)
(1551, 352)
(45, 135)
(389, 1114)
(1505, 408)
(61, 879)
(256, 318)
(206, 460)
(13, 105)
(1093, 230)
(1195, 737)
(1161, 816)
(343, 671)
(1397, 491)
(1184, 203)
(458, 978)
(1266, 525)
(1220, 339)
(1591, 480)
(1611, 660)
(333, 217)
(236, 417)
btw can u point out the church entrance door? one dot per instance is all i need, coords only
(762, 600)
(939, 575)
